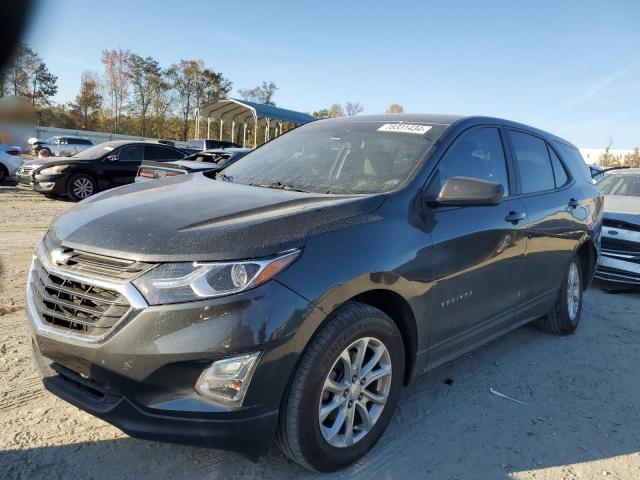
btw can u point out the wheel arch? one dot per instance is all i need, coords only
(588, 256)
(399, 310)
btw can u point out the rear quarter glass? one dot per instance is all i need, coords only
(573, 160)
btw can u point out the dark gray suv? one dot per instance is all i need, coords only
(293, 295)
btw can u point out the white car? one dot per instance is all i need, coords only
(59, 146)
(10, 162)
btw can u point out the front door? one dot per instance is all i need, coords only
(121, 166)
(478, 251)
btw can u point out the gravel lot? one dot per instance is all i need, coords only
(582, 418)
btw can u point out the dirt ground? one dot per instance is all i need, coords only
(581, 419)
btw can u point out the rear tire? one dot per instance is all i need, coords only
(4, 173)
(81, 186)
(565, 316)
(344, 391)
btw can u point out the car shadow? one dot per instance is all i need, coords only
(579, 397)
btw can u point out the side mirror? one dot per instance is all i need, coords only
(112, 158)
(462, 191)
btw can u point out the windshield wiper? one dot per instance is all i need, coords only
(279, 186)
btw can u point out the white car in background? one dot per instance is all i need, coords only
(59, 146)
(10, 162)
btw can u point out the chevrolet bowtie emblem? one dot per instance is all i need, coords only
(58, 257)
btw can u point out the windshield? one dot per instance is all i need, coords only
(348, 157)
(620, 184)
(94, 152)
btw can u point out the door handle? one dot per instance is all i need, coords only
(573, 203)
(515, 217)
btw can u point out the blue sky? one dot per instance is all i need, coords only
(570, 67)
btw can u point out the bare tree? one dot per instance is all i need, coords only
(263, 93)
(353, 108)
(144, 74)
(116, 67)
(395, 108)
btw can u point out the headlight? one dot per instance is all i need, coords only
(227, 380)
(52, 170)
(186, 282)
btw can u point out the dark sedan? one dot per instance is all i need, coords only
(619, 261)
(108, 165)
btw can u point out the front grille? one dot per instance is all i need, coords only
(26, 168)
(616, 274)
(109, 268)
(608, 222)
(75, 306)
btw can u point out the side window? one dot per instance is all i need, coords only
(63, 141)
(154, 152)
(132, 152)
(477, 154)
(559, 172)
(82, 141)
(573, 160)
(532, 157)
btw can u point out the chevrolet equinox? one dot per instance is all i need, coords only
(291, 296)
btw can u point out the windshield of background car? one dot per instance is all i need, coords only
(95, 152)
(342, 157)
(620, 184)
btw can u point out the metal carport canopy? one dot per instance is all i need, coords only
(240, 112)
(231, 109)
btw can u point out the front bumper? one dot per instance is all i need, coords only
(53, 184)
(619, 267)
(619, 259)
(251, 435)
(141, 376)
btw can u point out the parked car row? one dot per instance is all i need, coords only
(104, 166)
(291, 301)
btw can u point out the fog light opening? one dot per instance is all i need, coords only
(226, 381)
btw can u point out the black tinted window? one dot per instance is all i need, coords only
(532, 156)
(476, 154)
(558, 169)
(132, 152)
(156, 152)
(573, 160)
(80, 141)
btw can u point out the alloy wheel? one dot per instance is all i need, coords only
(573, 291)
(82, 187)
(355, 392)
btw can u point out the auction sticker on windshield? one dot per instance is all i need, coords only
(404, 128)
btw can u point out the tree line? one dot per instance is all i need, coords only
(135, 95)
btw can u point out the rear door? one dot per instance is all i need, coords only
(548, 193)
(478, 252)
(121, 166)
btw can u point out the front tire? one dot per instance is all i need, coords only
(565, 316)
(344, 391)
(81, 186)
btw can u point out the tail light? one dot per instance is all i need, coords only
(145, 172)
(172, 174)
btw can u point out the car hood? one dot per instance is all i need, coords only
(195, 218)
(623, 208)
